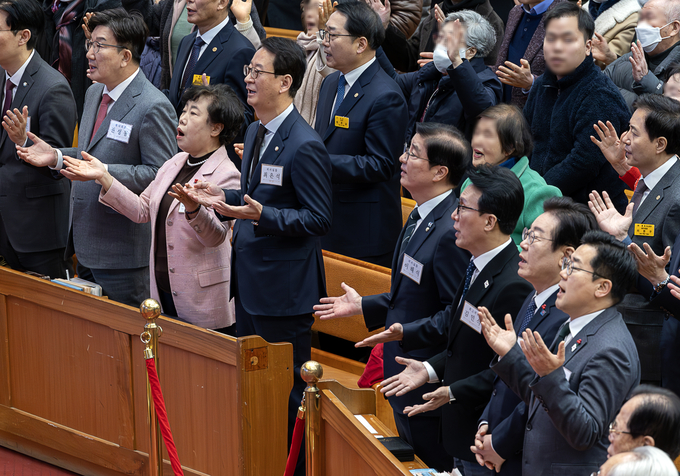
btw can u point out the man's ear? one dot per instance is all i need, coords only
(362, 44)
(441, 173)
(286, 83)
(603, 289)
(24, 36)
(589, 46)
(491, 222)
(661, 144)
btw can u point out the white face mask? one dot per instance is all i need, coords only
(441, 58)
(462, 52)
(649, 36)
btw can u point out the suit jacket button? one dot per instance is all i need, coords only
(169, 222)
(494, 392)
(449, 353)
(391, 306)
(528, 426)
(171, 247)
(174, 293)
(172, 270)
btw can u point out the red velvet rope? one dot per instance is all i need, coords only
(295, 447)
(162, 414)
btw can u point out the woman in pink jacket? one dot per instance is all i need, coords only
(191, 251)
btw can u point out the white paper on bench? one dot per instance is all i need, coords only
(366, 424)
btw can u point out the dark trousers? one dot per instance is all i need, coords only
(422, 433)
(129, 286)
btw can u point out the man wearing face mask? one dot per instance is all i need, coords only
(456, 86)
(658, 33)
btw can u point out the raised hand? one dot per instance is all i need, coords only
(609, 219)
(383, 11)
(439, 15)
(252, 210)
(40, 154)
(434, 400)
(453, 40)
(204, 193)
(14, 122)
(611, 146)
(241, 10)
(500, 340)
(651, 266)
(394, 333)
(86, 25)
(539, 356)
(637, 59)
(413, 376)
(516, 76)
(601, 50)
(349, 304)
(326, 9)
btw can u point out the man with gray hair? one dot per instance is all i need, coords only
(642, 461)
(658, 34)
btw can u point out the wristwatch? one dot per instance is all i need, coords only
(661, 285)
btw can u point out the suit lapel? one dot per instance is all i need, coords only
(326, 104)
(89, 117)
(214, 49)
(183, 55)
(22, 89)
(655, 196)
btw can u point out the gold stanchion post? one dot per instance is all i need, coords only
(311, 372)
(150, 310)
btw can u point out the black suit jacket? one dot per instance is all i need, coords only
(464, 365)
(365, 158)
(434, 246)
(506, 412)
(35, 207)
(277, 268)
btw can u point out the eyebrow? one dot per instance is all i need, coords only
(536, 228)
(575, 259)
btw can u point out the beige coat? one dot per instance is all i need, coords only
(617, 26)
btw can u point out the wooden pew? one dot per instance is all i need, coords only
(280, 32)
(73, 387)
(407, 206)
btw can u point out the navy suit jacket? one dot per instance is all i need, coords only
(434, 246)
(506, 412)
(365, 158)
(277, 268)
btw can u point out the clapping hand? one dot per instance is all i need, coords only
(651, 266)
(86, 25)
(516, 76)
(434, 400)
(439, 15)
(204, 193)
(394, 333)
(40, 154)
(637, 59)
(413, 376)
(609, 219)
(252, 210)
(179, 193)
(500, 340)
(611, 147)
(90, 168)
(326, 9)
(538, 355)
(601, 50)
(14, 122)
(349, 304)
(453, 40)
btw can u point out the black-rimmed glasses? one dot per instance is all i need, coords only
(530, 236)
(568, 266)
(96, 46)
(323, 34)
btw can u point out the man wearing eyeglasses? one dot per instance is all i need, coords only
(361, 117)
(130, 126)
(573, 386)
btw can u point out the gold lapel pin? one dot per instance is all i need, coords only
(356, 94)
(276, 148)
(214, 48)
(658, 197)
(25, 83)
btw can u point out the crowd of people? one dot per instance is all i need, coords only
(531, 327)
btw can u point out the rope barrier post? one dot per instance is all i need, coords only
(150, 310)
(311, 372)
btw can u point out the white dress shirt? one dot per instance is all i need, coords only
(350, 79)
(425, 209)
(16, 78)
(655, 176)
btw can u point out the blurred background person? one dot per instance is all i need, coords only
(642, 461)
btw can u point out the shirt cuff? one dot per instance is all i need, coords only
(451, 397)
(431, 374)
(60, 161)
(483, 422)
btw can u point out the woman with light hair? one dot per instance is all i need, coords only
(642, 461)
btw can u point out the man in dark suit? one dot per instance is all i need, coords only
(554, 235)
(215, 49)
(282, 208)
(650, 225)
(574, 388)
(486, 215)
(130, 126)
(362, 119)
(33, 207)
(427, 269)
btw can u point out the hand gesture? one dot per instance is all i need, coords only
(90, 168)
(241, 10)
(252, 210)
(204, 193)
(326, 9)
(539, 356)
(637, 59)
(425, 57)
(14, 122)
(611, 147)
(651, 266)
(394, 333)
(383, 11)
(238, 148)
(609, 219)
(516, 76)
(674, 286)
(439, 15)
(453, 41)
(500, 340)
(346, 305)
(179, 194)
(86, 25)
(479, 444)
(40, 154)
(413, 376)
(434, 400)
(601, 50)
(483, 450)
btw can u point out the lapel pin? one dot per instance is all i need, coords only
(658, 197)
(25, 84)
(486, 284)
(428, 226)
(214, 48)
(356, 95)
(276, 148)
(573, 347)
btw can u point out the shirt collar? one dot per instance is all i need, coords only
(655, 176)
(273, 125)
(577, 325)
(210, 35)
(16, 77)
(116, 92)
(542, 297)
(352, 76)
(539, 9)
(425, 208)
(482, 260)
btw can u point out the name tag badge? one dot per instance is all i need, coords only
(119, 131)
(182, 208)
(271, 175)
(470, 317)
(411, 269)
(198, 80)
(644, 229)
(28, 124)
(342, 122)
(567, 373)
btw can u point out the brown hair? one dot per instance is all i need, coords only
(512, 128)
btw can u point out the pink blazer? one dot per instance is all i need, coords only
(199, 251)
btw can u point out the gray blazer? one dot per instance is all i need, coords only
(100, 236)
(567, 427)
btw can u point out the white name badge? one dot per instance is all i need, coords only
(271, 175)
(567, 373)
(182, 209)
(28, 124)
(470, 317)
(411, 268)
(119, 131)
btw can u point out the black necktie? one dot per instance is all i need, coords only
(564, 332)
(531, 310)
(468, 277)
(259, 138)
(191, 64)
(640, 189)
(410, 229)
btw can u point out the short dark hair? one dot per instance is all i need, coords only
(658, 416)
(128, 29)
(362, 20)
(225, 108)
(513, 129)
(289, 58)
(612, 261)
(573, 221)
(663, 119)
(24, 15)
(586, 25)
(446, 146)
(502, 194)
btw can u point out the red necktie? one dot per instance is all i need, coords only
(103, 108)
(9, 85)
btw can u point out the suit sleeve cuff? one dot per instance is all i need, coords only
(432, 375)
(451, 397)
(60, 161)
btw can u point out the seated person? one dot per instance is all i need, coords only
(191, 251)
(457, 86)
(671, 87)
(615, 22)
(644, 460)
(502, 138)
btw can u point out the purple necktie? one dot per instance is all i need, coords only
(9, 85)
